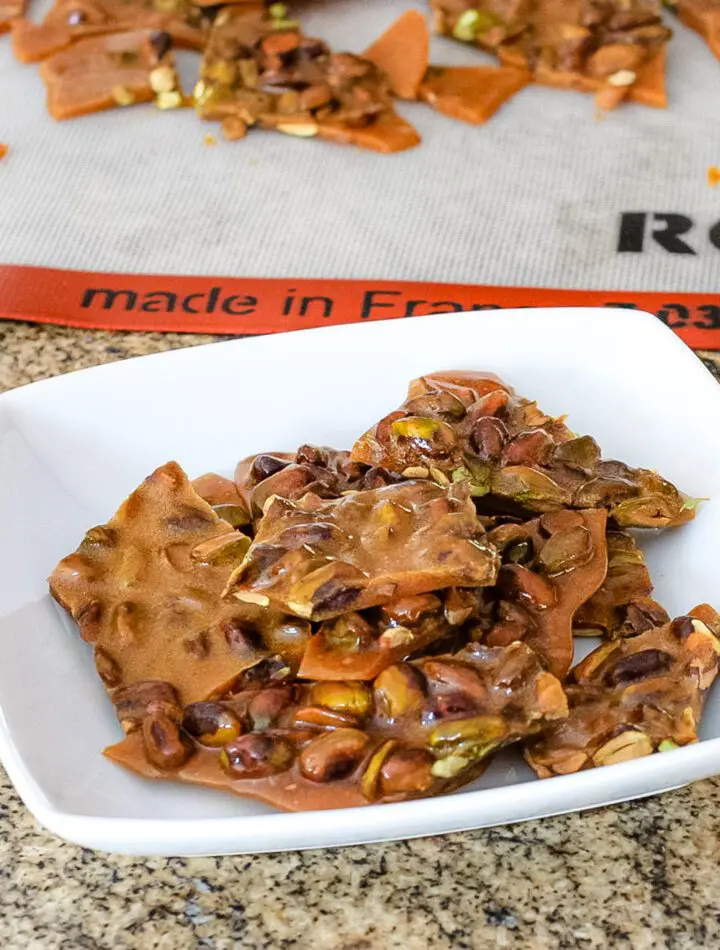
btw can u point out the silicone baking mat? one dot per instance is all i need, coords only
(545, 204)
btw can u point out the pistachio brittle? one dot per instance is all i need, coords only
(319, 559)
(186, 25)
(105, 72)
(622, 607)
(323, 471)
(261, 70)
(586, 45)
(551, 567)
(420, 729)
(145, 590)
(633, 697)
(467, 426)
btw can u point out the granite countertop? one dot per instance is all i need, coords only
(642, 875)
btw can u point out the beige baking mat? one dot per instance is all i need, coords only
(534, 198)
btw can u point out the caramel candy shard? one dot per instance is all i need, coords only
(551, 567)
(105, 72)
(262, 70)
(387, 134)
(703, 16)
(633, 697)
(471, 427)
(402, 53)
(180, 24)
(622, 606)
(145, 590)
(649, 89)
(319, 559)
(10, 10)
(421, 729)
(471, 93)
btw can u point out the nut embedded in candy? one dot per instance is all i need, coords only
(211, 724)
(333, 756)
(343, 697)
(257, 756)
(164, 743)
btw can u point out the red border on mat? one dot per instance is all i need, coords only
(252, 305)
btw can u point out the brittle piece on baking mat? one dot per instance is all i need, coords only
(319, 559)
(633, 697)
(471, 93)
(581, 44)
(259, 70)
(105, 72)
(145, 590)
(469, 426)
(551, 566)
(703, 16)
(10, 10)
(622, 606)
(420, 729)
(402, 53)
(70, 20)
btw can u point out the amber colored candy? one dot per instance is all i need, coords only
(471, 94)
(145, 590)
(402, 53)
(633, 697)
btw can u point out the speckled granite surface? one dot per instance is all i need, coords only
(642, 875)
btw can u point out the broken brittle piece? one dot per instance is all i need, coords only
(471, 93)
(104, 72)
(186, 25)
(622, 607)
(319, 559)
(145, 590)
(421, 729)
(632, 697)
(325, 472)
(551, 566)
(402, 53)
(468, 426)
(703, 16)
(260, 70)
(586, 45)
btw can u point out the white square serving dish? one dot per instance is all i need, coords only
(72, 447)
